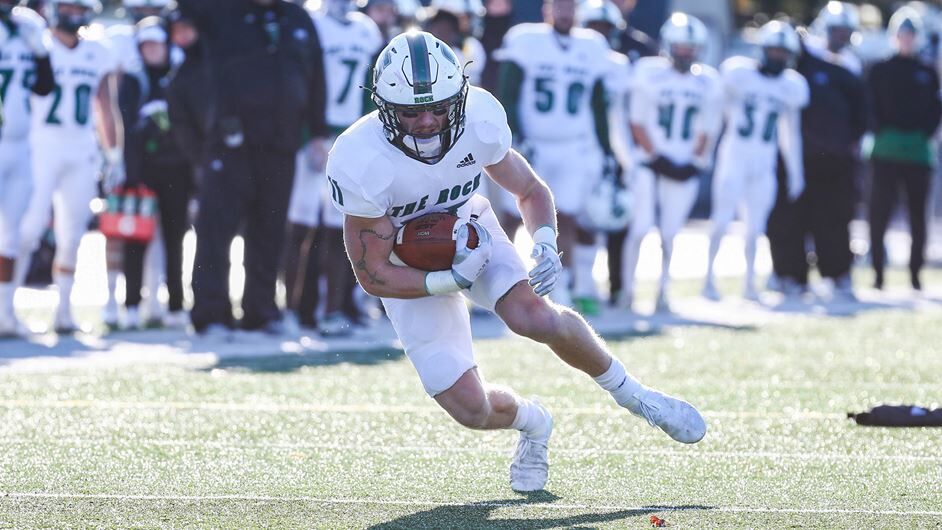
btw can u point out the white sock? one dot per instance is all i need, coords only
(112, 285)
(529, 419)
(6, 299)
(619, 383)
(64, 282)
(583, 260)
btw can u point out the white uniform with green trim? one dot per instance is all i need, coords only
(349, 50)
(66, 157)
(371, 178)
(554, 109)
(761, 114)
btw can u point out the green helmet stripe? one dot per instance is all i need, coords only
(421, 68)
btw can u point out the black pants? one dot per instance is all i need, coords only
(615, 243)
(824, 212)
(245, 188)
(173, 186)
(888, 179)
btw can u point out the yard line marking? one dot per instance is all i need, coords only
(419, 502)
(377, 408)
(432, 449)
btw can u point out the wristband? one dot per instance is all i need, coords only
(441, 282)
(545, 235)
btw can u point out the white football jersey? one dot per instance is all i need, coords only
(65, 115)
(559, 72)
(369, 177)
(349, 50)
(754, 104)
(675, 108)
(17, 75)
(122, 43)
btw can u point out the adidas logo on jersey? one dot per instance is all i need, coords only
(467, 161)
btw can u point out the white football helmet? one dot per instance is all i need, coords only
(71, 23)
(838, 15)
(683, 31)
(474, 8)
(777, 35)
(608, 206)
(417, 73)
(907, 18)
(600, 11)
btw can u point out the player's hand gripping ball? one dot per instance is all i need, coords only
(428, 243)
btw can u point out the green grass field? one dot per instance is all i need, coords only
(352, 441)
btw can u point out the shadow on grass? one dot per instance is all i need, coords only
(478, 515)
(284, 363)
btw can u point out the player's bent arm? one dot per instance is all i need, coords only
(534, 199)
(110, 127)
(369, 243)
(641, 138)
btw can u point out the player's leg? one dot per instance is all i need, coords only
(643, 205)
(675, 200)
(760, 197)
(173, 200)
(114, 266)
(728, 183)
(70, 202)
(882, 200)
(134, 255)
(301, 281)
(35, 221)
(15, 188)
(585, 171)
(339, 274)
(155, 263)
(916, 179)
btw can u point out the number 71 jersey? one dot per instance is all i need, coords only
(65, 115)
(675, 108)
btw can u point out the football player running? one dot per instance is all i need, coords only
(675, 115)
(66, 157)
(426, 149)
(24, 68)
(552, 83)
(763, 114)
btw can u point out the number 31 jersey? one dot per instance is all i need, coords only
(675, 108)
(349, 49)
(65, 116)
(559, 73)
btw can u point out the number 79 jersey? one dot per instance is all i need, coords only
(675, 108)
(349, 49)
(65, 116)
(559, 74)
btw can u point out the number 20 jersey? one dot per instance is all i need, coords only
(64, 117)
(349, 49)
(559, 73)
(675, 108)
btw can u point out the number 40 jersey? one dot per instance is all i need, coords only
(64, 117)
(675, 108)
(349, 49)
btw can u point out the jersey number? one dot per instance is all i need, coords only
(7, 75)
(545, 98)
(335, 192)
(665, 118)
(747, 129)
(351, 65)
(83, 105)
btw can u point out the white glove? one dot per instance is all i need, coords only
(114, 174)
(544, 275)
(31, 27)
(467, 265)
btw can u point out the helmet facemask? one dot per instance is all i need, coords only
(71, 22)
(428, 147)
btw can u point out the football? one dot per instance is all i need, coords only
(428, 243)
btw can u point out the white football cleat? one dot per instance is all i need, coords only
(132, 318)
(64, 323)
(679, 419)
(176, 319)
(530, 467)
(109, 315)
(662, 305)
(12, 328)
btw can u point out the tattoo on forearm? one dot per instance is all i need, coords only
(361, 264)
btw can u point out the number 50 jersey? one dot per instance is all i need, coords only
(65, 116)
(675, 108)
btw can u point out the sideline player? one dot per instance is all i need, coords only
(24, 68)
(675, 114)
(763, 113)
(426, 149)
(552, 84)
(350, 41)
(66, 157)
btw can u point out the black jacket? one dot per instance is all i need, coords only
(905, 95)
(836, 116)
(267, 66)
(148, 141)
(192, 104)
(636, 44)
